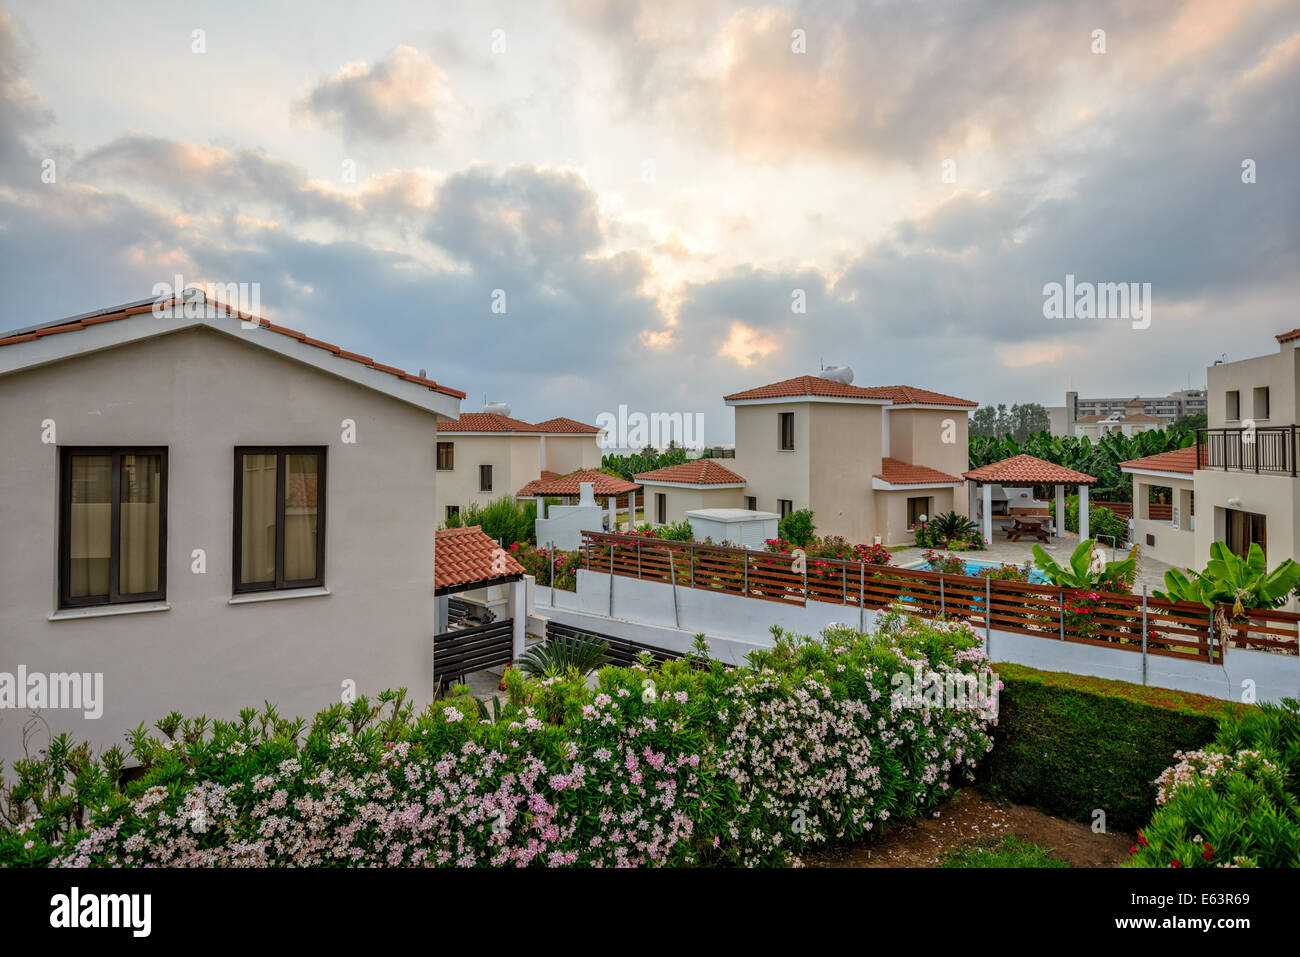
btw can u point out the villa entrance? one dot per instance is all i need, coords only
(1242, 529)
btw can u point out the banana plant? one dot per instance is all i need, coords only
(1245, 582)
(1084, 569)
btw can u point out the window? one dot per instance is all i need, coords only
(1261, 402)
(785, 431)
(916, 507)
(751, 503)
(453, 511)
(446, 456)
(279, 518)
(1232, 410)
(661, 508)
(785, 506)
(112, 526)
(485, 478)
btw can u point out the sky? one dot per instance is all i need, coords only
(672, 200)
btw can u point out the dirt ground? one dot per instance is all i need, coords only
(972, 819)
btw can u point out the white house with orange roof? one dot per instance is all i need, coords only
(203, 511)
(484, 456)
(674, 490)
(1171, 539)
(868, 461)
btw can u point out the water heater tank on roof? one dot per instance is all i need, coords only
(838, 374)
(500, 408)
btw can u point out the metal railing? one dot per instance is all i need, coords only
(1269, 449)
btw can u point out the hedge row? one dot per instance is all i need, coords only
(1070, 744)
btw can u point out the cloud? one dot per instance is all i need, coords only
(21, 111)
(396, 99)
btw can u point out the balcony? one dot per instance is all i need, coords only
(1273, 451)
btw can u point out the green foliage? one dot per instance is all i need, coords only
(1236, 803)
(1100, 459)
(1068, 744)
(1230, 579)
(797, 527)
(558, 568)
(504, 520)
(564, 656)
(647, 460)
(1086, 568)
(1008, 851)
(1102, 522)
(1020, 422)
(949, 530)
(1190, 422)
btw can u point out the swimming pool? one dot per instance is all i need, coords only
(971, 567)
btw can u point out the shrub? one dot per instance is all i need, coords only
(945, 564)
(1101, 520)
(671, 765)
(503, 520)
(949, 530)
(1069, 744)
(1236, 803)
(797, 527)
(559, 568)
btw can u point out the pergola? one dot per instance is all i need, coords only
(1029, 470)
(570, 487)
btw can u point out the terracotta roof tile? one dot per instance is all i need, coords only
(1288, 336)
(464, 555)
(81, 324)
(911, 395)
(1179, 460)
(898, 472)
(605, 485)
(698, 472)
(1028, 470)
(812, 385)
(485, 422)
(567, 426)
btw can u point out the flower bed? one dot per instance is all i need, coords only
(663, 766)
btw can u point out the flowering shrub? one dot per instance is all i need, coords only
(1079, 607)
(673, 765)
(944, 564)
(558, 567)
(836, 547)
(1236, 803)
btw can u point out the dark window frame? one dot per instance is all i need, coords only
(751, 502)
(481, 486)
(661, 508)
(115, 597)
(280, 583)
(785, 506)
(451, 457)
(781, 419)
(453, 511)
(927, 509)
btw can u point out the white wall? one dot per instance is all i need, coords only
(735, 624)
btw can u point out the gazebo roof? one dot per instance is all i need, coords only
(1028, 470)
(570, 484)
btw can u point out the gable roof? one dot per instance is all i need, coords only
(698, 472)
(1179, 460)
(120, 325)
(604, 484)
(816, 386)
(898, 472)
(465, 555)
(1028, 470)
(1288, 336)
(562, 425)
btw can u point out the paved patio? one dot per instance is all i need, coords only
(1149, 572)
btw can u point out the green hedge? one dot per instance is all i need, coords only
(1068, 744)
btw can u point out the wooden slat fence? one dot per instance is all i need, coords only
(1108, 619)
(464, 651)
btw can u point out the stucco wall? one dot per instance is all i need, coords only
(679, 500)
(1274, 496)
(893, 507)
(200, 394)
(1276, 370)
(846, 443)
(1172, 546)
(568, 453)
(771, 474)
(460, 486)
(916, 436)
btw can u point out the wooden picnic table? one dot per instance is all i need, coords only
(1028, 526)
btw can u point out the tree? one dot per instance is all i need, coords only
(1192, 422)
(984, 421)
(1027, 419)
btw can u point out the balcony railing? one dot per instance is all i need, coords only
(1273, 450)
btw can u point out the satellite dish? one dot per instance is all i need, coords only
(500, 408)
(838, 374)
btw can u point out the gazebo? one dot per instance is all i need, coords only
(1029, 470)
(569, 488)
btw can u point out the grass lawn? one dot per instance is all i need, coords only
(1010, 851)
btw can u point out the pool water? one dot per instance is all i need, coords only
(974, 568)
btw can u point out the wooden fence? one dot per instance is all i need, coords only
(1110, 619)
(466, 650)
(1156, 512)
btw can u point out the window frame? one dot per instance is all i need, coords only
(781, 508)
(1232, 404)
(481, 486)
(451, 457)
(661, 508)
(751, 503)
(927, 509)
(781, 419)
(452, 511)
(279, 583)
(115, 597)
